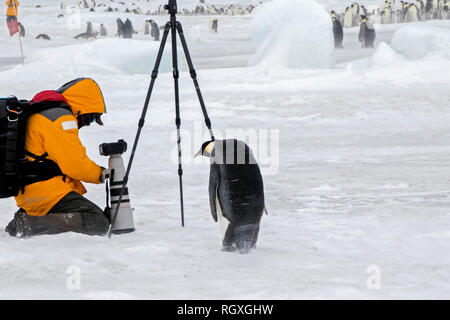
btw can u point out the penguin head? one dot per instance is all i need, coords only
(206, 149)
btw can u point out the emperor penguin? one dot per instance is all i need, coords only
(213, 25)
(435, 4)
(147, 27)
(89, 27)
(103, 31)
(338, 32)
(367, 33)
(420, 6)
(236, 192)
(22, 30)
(412, 13)
(428, 9)
(348, 18)
(43, 36)
(154, 31)
(355, 14)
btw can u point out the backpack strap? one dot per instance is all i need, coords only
(37, 158)
(41, 168)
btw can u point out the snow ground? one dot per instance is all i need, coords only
(362, 178)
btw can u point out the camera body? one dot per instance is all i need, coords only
(107, 149)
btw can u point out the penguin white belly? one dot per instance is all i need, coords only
(348, 20)
(223, 222)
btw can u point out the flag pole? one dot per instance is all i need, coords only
(21, 49)
(20, 38)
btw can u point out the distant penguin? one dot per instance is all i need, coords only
(154, 30)
(120, 28)
(386, 16)
(43, 36)
(236, 192)
(86, 35)
(355, 14)
(412, 14)
(103, 31)
(367, 33)
(128, 29)
(348, 18)
(85, 4)
(421, 7)
(363, 10)
(89, 27)
(338, 32)
(213, 25)
(63, 6)
(147, 27)
(429, 8)
(22, 30)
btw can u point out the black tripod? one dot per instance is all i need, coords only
(173, 25)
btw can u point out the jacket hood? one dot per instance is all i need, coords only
(83, 96)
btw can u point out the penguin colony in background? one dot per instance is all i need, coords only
(126, 30)
(402, 12)
(358, 15)
(391, 12)
(200, 9)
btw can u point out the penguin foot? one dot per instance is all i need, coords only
(244, 247)
(229, 248)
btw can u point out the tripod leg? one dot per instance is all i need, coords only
(177, 112)
(194, 78)
(140, 124)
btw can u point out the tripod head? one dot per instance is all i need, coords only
(171, 7)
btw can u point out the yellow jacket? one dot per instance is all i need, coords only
(11, 11)
(55, 132)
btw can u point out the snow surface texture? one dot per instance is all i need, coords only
(362, 182)
(292, 33)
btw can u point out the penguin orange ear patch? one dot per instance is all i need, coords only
(209, 147)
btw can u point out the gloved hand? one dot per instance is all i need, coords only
(106, 174)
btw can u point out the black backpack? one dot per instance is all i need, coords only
(15, 170)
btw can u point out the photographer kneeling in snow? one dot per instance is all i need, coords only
(54, 203)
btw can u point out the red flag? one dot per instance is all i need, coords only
(13, 25)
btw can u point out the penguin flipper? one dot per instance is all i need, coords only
(213, 186)
(265, 210)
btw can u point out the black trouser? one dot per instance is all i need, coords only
(72, 213)
(11, 18)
